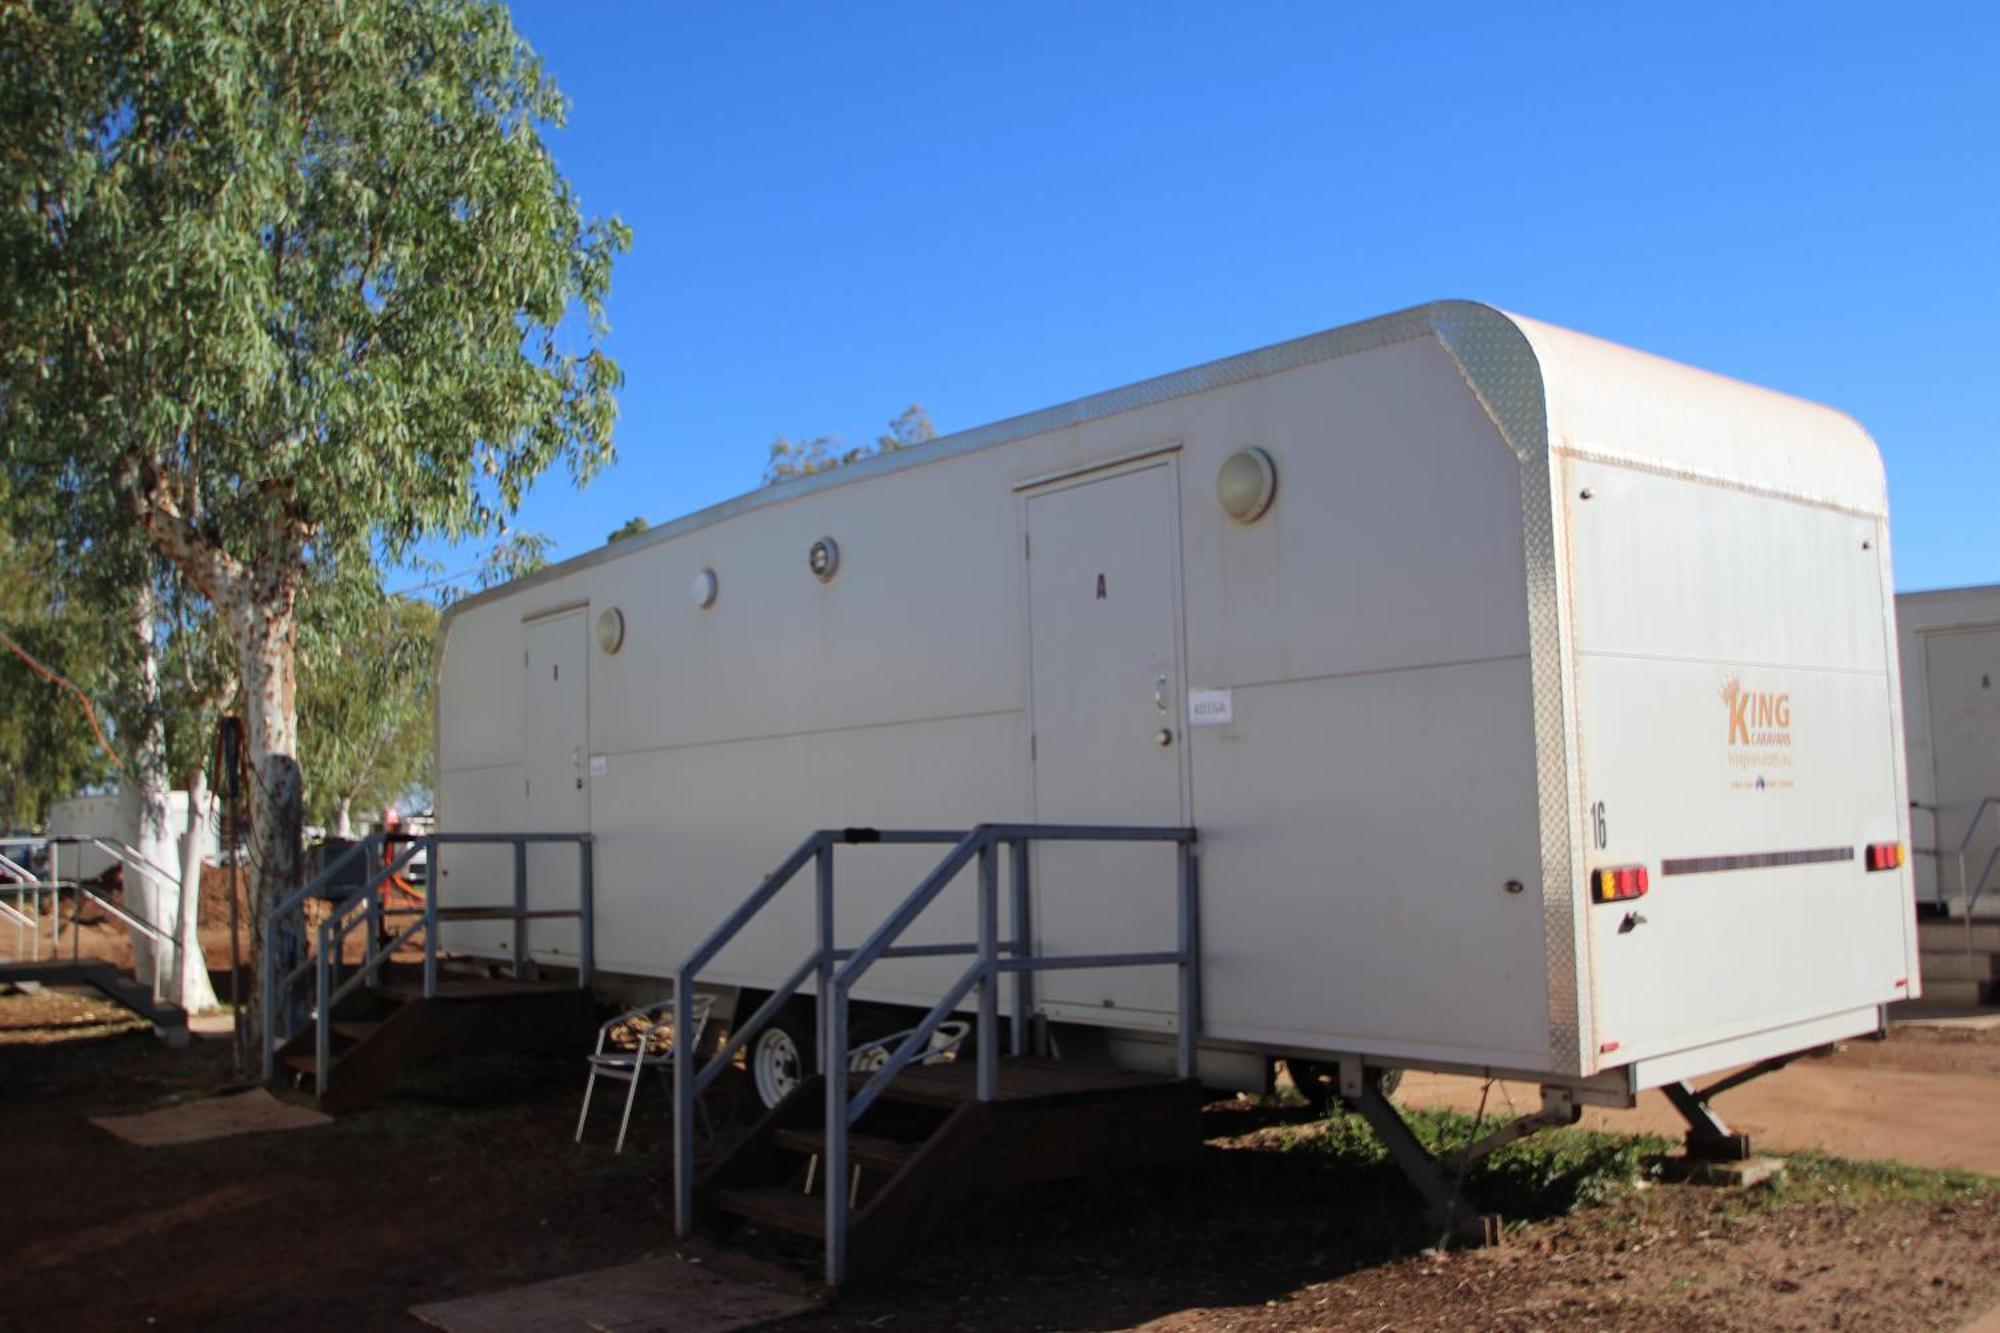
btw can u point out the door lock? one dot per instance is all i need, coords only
(1165, 736)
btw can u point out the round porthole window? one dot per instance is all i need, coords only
(1246, 485)
(611, 629)
(824, 559)
(704, 589)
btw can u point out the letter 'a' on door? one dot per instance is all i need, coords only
(1106, 681)
(556, 695)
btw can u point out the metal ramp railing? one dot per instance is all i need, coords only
(837, 971)
(1970, 892)
(288, 1005)
(35, 898)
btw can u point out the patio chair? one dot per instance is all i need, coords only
(660, 1040)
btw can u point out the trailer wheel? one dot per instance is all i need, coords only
(1319, 1083)
(782, 1055)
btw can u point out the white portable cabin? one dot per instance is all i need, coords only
(115, 818)
(1950, 648)
(1522, 606)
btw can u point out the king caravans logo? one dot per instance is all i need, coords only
(1757, 717)
(1759, 749)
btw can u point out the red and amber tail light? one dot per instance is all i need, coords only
(1616, 884)
(1884, 855)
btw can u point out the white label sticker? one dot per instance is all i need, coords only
(599, 765)
(1211, 708)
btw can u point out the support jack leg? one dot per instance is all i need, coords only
(1709, 1137)
(1717, 1155)
(1447, 1212)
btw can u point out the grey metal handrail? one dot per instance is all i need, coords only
(1971, 894)
(689, 1082)
(840, 969)
(366, 904)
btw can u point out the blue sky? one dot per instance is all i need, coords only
(991, 208)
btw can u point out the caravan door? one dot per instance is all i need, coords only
(557, 699)
(1105, 675)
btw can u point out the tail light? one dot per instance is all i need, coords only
(1884, 855)
(1615, 884)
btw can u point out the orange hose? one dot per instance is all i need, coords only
(53, 678)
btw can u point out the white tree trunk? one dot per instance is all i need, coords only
(343, 818)
(146, 790)
(193, 993)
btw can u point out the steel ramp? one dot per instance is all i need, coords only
(169, 1020)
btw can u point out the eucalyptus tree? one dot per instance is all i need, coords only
(365, 706)
(791, 458)
(49, 748)
(293, 281)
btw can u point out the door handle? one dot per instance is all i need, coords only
(1164, 736)
(1160, 694)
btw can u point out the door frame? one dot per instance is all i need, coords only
(1167, 455)
(1927, 636)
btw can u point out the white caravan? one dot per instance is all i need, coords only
(1534, 699)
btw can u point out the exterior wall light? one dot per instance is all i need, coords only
(611, 629)
(1246, 485)
(824, 559)
(704, 589)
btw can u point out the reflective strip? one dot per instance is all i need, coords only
(1699, 865)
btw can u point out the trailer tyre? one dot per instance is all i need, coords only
(782, 1055)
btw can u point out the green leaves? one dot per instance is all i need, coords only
(802, 458)
(364, 699)
(306, 271)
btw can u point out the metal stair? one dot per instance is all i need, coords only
(868, 1160)
(1959, 961)
(928, 1147)
(381, 1031)
(346, 1028)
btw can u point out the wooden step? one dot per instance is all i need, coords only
(954, 1083)
(486, 913)
(480, 989)
(1948, 991)
(300, 1062)
(776, 1206)
(356, 1029)
(1958, 966)
(869, 1148)
(1945, 935)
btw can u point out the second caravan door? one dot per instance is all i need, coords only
(557, 698)
(1104, 667)
(1962, 672)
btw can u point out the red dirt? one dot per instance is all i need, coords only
(1926, 1098)
(467, 1181)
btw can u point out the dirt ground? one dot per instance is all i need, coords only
(1927, 1098)
(465, 1180)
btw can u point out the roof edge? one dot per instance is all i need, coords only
(1485, 342)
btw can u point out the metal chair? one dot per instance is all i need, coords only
(656, 1021)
